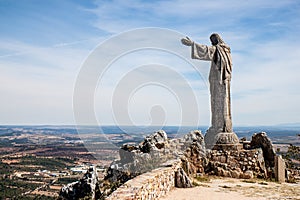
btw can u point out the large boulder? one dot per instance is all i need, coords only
(154, 142)
(135, 160)
(194, 137)
(182, 180)
(261, 140)
(127, 152)
(118, 173)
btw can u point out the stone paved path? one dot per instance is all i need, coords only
(235, 189)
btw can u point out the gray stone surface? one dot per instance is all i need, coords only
(236, 164)
(279, 169)
(182, 180)
(227, 138)
(227, 141)
(261, 140)
(219, 79)
(194, 152)
(135, 160)
(154, 141)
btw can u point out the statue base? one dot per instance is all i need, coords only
(228, 147)
(227, 141)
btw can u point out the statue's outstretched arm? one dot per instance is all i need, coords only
(187, 41)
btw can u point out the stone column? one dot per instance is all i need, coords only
(279, 169)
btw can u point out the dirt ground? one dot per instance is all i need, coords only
(236, 189)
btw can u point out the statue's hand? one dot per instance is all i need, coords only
(187, 41)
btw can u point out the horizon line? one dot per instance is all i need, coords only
(201, 125)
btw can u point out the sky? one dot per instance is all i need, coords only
(45, 44)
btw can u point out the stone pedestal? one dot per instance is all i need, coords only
(227, 141)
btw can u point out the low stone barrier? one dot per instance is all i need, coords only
(237, 164)
(151, 185)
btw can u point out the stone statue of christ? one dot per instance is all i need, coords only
(219, 79)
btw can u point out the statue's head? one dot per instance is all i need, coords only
(216, 39)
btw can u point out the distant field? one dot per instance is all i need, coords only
(35, 161)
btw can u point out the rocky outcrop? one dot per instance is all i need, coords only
(135, 160)
(194, 152)
(194, 160)
(86, 187)
(149, 163)
(261, 140)
(154, 142)
(155, 150)
(182, 180)
(195, 138)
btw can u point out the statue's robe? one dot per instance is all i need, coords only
(219, 79)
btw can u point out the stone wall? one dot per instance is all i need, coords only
(150, 185)
(237, 164)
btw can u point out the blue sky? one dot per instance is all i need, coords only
(44, 43)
